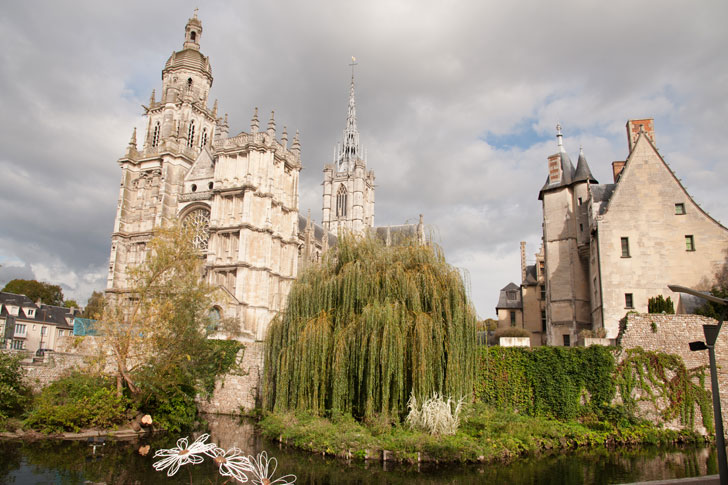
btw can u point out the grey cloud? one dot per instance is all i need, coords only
(432, 79)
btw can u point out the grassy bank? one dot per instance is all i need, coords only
(485, 435)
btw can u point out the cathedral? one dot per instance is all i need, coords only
(608, 248)
(239, 193)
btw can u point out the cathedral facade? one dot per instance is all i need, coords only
(239, 193)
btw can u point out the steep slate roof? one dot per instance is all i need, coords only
(600, 194)
(583, 174)
(45, 314)
(531, 276)
(505, 302)
(318, 231)
(567, 169)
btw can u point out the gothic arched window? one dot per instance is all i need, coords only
(155, 135)
(199, 221)
(191, 135)
(341, 197)
(203, 138)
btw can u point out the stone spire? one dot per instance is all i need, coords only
(350, 150)
(284, 137)
(272, 125)
(254, 125)
(133, 141)
(559, 137)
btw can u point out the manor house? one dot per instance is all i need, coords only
(608, 248)
(239, 193)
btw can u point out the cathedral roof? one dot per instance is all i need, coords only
(190, 59)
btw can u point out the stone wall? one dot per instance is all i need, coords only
(239, 389)
(671, 334)
(54, 365)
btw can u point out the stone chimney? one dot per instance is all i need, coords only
(523, 261)
(635, 127)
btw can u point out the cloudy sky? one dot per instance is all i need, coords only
(457, 104)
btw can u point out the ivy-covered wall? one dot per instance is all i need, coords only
(560, 382)
(671, 334)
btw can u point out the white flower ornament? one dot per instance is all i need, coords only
(231, 463)
(260, 468)
(183, 454)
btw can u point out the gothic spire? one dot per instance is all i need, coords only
(350, 149)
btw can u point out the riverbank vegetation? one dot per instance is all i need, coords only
(485, 435)
(154, 355)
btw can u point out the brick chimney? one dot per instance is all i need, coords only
(617, 169)
(635, 127)
(555, 169)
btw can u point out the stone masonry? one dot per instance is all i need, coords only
(671, 335)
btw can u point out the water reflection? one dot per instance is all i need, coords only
(63, 462)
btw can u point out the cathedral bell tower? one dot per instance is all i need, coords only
(348, 203)
(179, 127)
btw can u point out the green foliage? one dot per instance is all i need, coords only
(36, 290)
(70, 304)
(489, 325)
(368, 327)
(14, 394)
(714, 310)
(94, 306)
(511, 332)
(658, 377)
(659, 304)
(485, 435)
(77, 402)
(547, 381)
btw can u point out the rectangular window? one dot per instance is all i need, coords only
(19, 329)
(567, 340)
(628, 301)
(689, 243)
(581, 227)
(680, 209)
(513, 319)
(580, 201)
(625, 247)
(543, 320)
(543, 292)
(18, 344)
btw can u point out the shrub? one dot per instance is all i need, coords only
(14, 394)
(511, 332)
(78, 402)
(436, 415)
(659, 304)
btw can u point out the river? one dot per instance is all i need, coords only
(118, 462)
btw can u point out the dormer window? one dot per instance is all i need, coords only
(12, 310)
(30, 312)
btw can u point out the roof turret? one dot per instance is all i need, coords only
(583, 174)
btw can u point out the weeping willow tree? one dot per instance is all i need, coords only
(367, 328)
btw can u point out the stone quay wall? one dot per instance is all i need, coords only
(671, 334)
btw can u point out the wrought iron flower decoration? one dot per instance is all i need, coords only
(183, 454)
(231, 463)
(263, 468)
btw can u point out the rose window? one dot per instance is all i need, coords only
(199, 221)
